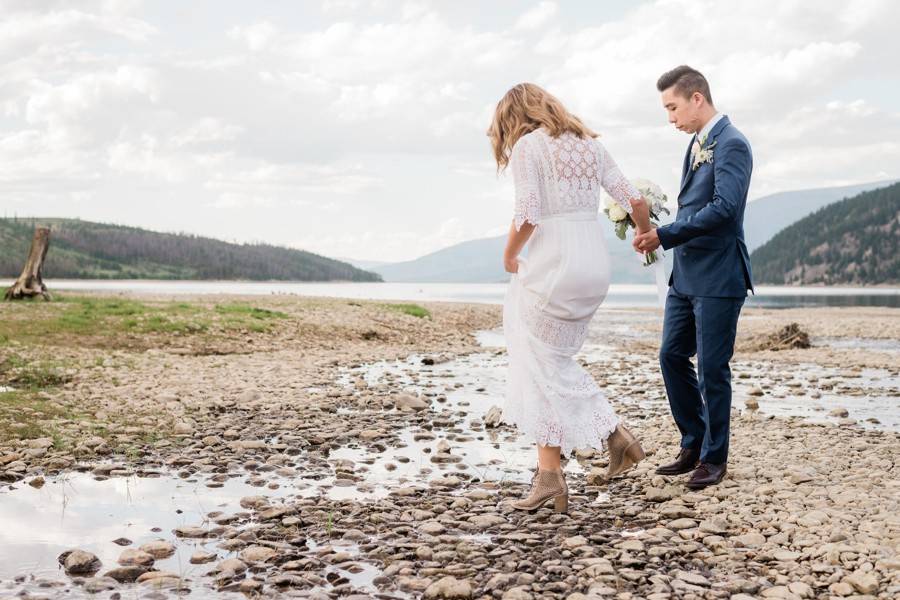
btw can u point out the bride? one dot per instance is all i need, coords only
(559, 170)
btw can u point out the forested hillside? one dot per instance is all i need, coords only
(86, 250)
(852, 242)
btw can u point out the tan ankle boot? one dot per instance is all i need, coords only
(624, 451)
(546, 485)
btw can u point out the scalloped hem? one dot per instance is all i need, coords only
(543, 437)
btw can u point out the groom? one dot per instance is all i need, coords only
(710, 277)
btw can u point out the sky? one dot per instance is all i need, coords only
(356, 128)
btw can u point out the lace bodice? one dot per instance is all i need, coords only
(555, 176)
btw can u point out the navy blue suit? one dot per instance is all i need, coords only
(707, 288)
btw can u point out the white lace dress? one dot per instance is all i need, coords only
(560, 284)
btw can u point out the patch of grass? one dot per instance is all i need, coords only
(116, 322)
(411, 309)
(250, 311)
(32, 375)
(243, 316)
(25, 415)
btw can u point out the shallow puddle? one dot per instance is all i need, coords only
(78, 511)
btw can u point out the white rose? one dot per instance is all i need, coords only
(616, 213)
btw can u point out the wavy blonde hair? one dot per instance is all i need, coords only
(524, 108)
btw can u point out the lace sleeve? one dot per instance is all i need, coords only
(527, 180)
(615, 184)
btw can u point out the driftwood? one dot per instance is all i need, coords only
(790, 336)
(30, 283)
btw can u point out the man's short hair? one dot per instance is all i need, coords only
(686, 80)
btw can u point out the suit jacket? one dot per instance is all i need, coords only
(711, 257)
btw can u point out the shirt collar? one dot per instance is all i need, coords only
(709, 125)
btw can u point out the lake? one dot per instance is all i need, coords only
(620, 295)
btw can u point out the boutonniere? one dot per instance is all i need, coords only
(702, 153)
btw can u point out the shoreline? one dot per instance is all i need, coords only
(278, 391)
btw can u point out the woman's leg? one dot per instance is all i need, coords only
(548, 458)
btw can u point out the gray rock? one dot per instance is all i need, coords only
(493, 417)
(449, 588)
(79, 562)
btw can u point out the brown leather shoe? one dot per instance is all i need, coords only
(687, 461)
(707, 474)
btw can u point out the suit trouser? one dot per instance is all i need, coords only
(701, 406)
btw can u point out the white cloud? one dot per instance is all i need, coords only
(356, 127)
(537, 16)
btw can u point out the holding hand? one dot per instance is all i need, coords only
(647, 241)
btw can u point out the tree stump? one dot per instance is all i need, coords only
(30, 283)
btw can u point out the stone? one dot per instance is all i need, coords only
(786, 555)
(126, 574)
(493, 417)
(449, 588)
(485, 521)
(231, 567)
(95, 585)
(799, 588)
(864, 583)
(135, 557)
(654, 494)
(517, 593)
(575, 542)
(841, 588)
(839, 412)
(692, 578)
(79, 562)
(679, 524)
(158, 549)
(410, 402)
(432, 528)
(191, 532)
(200, 557)
(750, 540)
(257, 554)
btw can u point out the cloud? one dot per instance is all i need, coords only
(357, 126)
(537, 16)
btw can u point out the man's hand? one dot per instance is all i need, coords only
(646, 242)
(511, 264)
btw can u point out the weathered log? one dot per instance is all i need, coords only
(30, 283)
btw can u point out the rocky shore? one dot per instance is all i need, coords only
(364, 457)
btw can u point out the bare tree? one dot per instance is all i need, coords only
(30, 283)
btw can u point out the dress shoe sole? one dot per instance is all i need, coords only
(699, 486)
(661, 471)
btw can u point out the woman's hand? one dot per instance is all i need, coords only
(511, 264)
(640, 214)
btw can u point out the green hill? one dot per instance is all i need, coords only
(85, 250)
(853, 242)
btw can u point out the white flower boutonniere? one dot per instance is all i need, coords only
(703, 154)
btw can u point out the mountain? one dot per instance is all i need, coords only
(479, 261)
(365, 265)
(852, 242)
(768, 215)
(85, 250)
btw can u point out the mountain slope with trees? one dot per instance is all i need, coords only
(86, 250)
(852, 242)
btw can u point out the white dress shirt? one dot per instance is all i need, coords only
(709, 125)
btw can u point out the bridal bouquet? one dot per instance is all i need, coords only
(657, 201)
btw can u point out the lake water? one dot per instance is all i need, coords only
(620, 295)
(488, 293)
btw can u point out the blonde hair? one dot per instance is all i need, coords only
(527, 107)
